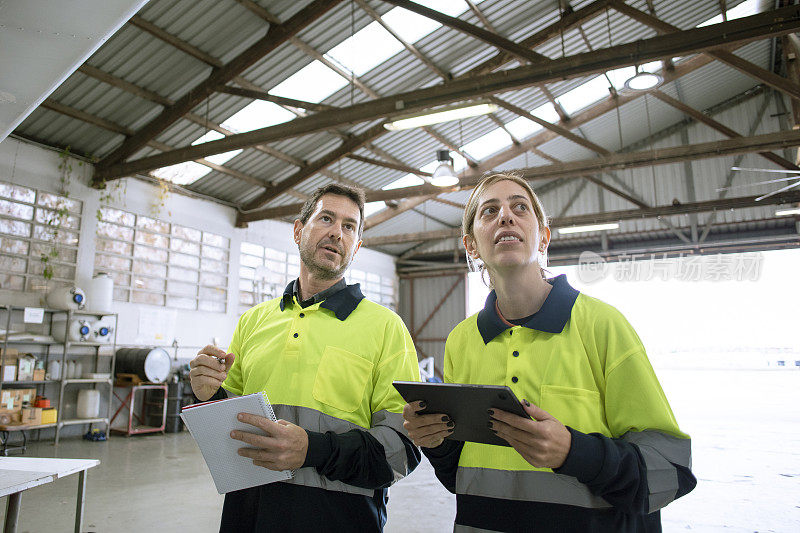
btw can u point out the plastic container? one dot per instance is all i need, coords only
(78, 330)
(78, 372)
(88, 403)
(69, 371)
(54, 369)
(150, 364)
(69, 297)
(99, 293)
(103, 329)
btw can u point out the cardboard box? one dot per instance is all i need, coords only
(9, 372)
(49, 416)
(10, 416)
(9, 355)
(32, 416)
(26, 395)
(8, 399)
(38, 374)
(25, 367)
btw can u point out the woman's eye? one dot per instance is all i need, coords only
(489, 210)
(325, 218)
(522, 207)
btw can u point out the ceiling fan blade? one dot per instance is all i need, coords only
(772, 170)
(743, 185)
(792, 186)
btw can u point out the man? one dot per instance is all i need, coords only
(326, 358)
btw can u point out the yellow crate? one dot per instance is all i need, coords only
(49, 416)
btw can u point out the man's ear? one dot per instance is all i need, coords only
(298, 228)
(469, 246)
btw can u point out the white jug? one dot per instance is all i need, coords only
(88, 403)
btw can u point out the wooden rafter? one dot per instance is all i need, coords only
(616, 161)
(277, 35)
(765, 76)
(742, 30)
(710, 122)
(608, 216)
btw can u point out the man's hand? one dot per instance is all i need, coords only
(208, 371)
(544, 441)
(284, 446)
(426, 430)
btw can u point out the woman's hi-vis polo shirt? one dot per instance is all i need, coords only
(581, 361)
(328, 367)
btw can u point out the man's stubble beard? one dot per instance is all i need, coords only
(317, 270)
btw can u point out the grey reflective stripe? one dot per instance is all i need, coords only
(383, 430)
(661, 452)
(458, 528)
(526, 485)
(385, 427)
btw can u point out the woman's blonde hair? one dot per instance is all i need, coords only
(471, 209)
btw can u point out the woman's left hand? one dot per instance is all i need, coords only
(543, 441)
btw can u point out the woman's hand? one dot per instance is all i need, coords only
(543, 441)
(426, 430)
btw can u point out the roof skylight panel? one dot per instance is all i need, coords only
(366, 49)
(370, 208)
(182, 173)
(313, 83)
(546, 112)
(409, 180)
(522, 127)
(488, 144)
(584, 95)
(745, 9)
(410, 26)
(219, 159)
(372, 45)
(257, 114)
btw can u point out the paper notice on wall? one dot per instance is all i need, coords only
(156, 326)
(33, 315)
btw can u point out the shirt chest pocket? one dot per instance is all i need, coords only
(581, 409)
(341, 380)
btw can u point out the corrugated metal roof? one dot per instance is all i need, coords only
(223, 29)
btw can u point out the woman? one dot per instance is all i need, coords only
(602, 450)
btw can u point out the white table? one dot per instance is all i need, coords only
(21, 473)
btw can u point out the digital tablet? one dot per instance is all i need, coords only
(466, 405)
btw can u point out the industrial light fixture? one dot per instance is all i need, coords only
(643, 81)
(444, 175)
(445, 114)
(592, 227)
(787, 212)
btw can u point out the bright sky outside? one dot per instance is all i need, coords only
(675, 315)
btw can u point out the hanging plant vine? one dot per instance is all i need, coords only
(160, 201)
(55, 218)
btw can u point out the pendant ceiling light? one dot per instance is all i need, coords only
(444, 175)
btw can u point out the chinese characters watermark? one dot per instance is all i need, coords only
(645, 267)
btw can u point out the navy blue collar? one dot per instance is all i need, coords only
(342, 301)
(551, 318)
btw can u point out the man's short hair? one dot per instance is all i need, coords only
(353, 193)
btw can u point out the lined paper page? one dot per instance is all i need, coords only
(211, 424)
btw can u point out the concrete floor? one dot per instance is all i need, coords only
(160, 483)
(745, 429)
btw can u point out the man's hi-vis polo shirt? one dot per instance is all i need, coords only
(581, 361)
(328, 368)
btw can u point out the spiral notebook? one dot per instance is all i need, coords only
(211, 424)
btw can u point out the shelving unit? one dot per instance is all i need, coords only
(66, 355)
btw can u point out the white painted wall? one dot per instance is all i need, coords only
(30, 165)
